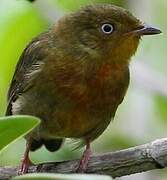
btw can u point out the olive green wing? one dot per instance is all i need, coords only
(27, 68)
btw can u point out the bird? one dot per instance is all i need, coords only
(74, 76)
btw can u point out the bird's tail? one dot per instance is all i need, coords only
(50, 144)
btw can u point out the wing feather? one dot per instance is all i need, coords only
(27, 68)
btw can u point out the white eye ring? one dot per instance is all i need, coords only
(107, 28)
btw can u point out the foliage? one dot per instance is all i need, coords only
(14, 127)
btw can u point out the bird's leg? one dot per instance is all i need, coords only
(83, 164)
(26, 162)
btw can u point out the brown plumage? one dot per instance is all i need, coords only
(75, 75)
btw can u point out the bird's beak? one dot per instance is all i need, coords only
(144, 30)
(147, 30)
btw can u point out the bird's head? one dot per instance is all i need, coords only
(103, 31)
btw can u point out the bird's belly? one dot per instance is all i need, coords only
(76, 112)
(83, 103)
(82, 119)
(74, 124)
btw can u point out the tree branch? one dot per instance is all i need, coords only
(120, 163)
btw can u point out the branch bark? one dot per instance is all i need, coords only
(120, 163)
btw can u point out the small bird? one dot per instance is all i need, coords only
(74, 76)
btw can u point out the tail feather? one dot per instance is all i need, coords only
(36, 144)
(50, 144)
(53, 144)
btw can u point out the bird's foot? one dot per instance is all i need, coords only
(83, 164)
(23, 169)
(26, 162)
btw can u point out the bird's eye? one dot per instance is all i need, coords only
(107, 28)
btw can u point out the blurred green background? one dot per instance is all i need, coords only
(142, 117)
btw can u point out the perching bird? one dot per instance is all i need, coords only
(75, 75)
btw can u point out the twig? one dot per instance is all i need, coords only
(120, 163)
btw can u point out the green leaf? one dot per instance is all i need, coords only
(13, 127)
(49, 176)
